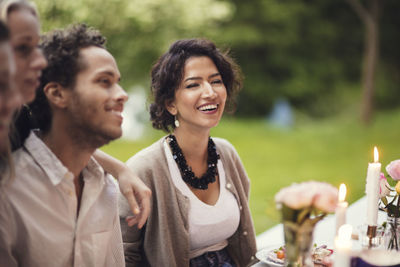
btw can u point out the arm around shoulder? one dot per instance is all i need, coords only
(134, 190)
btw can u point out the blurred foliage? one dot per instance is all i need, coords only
(138, 31)
(308, 51)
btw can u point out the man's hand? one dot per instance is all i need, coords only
(138, 196)
(134, 190)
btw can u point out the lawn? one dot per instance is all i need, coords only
(334, 150)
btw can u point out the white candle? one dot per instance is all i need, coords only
(342, 249)
(341, 208)
(372, 189)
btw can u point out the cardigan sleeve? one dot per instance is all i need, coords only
(132, 241)
(132, 237)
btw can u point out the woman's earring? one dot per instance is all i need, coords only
(176, 122)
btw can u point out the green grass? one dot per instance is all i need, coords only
(333, 150)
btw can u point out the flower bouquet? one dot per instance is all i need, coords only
(390, 203)
(302, 206)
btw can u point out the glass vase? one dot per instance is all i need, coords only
(298, 244)
(392, 233)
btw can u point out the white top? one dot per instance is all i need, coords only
(209, 225)
(38, 214)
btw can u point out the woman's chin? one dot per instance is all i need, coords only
(28, 97)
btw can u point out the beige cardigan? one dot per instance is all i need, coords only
(164, 241)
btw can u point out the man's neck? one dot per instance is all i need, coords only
(72, 156)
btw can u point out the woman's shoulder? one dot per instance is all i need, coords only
(147, 157)
(224, 146)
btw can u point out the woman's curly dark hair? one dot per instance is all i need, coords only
(167, 74)
(61, 49)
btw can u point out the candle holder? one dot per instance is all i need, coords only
(371, 236)
(371, 233)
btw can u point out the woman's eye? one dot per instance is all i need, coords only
(217, 81)
(24, 50)
(192, 85)
(105, 82)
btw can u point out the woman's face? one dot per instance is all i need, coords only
(200, 98)
(24, 30)
(10, 98)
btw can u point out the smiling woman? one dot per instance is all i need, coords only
(9, 99)
(200, 99)
(200, 214)
(22, 19)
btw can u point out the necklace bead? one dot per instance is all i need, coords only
(186, 171)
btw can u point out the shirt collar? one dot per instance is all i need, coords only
(93, 170)
(52, 166)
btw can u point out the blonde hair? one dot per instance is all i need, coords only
(8, 6)
(6, 163)
(7, 170)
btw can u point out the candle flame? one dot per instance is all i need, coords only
(342, 192)
(344, 232)
(376, 154)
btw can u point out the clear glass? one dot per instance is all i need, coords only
(298, 244)
(392, 233)
(376, 242)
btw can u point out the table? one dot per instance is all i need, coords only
(324, 232)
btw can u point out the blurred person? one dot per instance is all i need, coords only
(200, 214)
(9, 99)
(23, 20)
(61, 208)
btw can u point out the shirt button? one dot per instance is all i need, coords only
(228, 185)
(240, 207)
(245, 233)
(252, 257)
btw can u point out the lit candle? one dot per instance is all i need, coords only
(343, 246)
(372, 189)
(341, 208)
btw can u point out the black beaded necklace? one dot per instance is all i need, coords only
(186, 171)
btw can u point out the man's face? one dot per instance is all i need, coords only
(97, 100)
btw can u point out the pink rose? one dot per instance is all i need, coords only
(384, 187)
(327, 198)
(320, 195)
(393, 169)
(295, 196)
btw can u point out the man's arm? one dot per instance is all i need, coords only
(134, 190)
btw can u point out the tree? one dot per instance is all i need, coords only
(307, 51)
(137, 31)
(369, 16)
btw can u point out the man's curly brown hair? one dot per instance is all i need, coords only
(62, 51)
(167, 74)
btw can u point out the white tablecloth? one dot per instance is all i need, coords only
(324, 231)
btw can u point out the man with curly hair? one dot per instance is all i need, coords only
(61, 208)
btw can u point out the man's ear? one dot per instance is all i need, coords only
(171, 107)
(56, 94)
